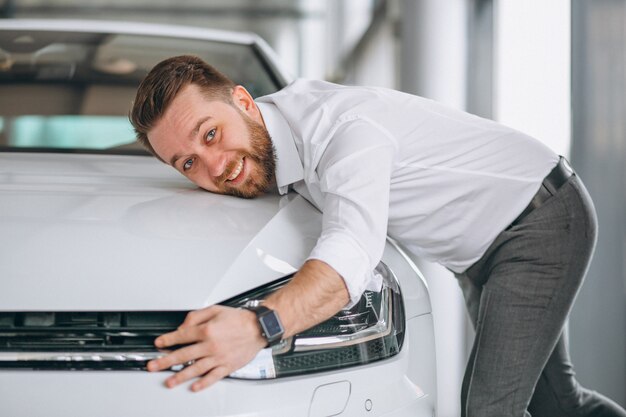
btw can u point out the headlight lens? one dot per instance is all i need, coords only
(371, 330)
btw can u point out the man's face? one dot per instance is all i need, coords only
(223, 148)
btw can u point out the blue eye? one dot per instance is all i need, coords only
(188, 164)
(210, 135)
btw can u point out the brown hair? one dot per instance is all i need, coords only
(157, 91)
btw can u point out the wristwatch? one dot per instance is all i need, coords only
(272, 329)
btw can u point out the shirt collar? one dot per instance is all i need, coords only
(288, 164)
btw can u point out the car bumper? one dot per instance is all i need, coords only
(386, 387)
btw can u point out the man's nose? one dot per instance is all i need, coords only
(215, 162)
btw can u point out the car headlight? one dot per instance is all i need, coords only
(371, 330)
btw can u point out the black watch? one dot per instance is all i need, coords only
(272, 329)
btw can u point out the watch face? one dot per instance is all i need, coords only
(271, 325)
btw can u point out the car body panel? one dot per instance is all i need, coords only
(115, 233)
(100, 233)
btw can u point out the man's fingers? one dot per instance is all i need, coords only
(199, 316)
(179, 356)
(199, 368)
(219, 339)
(211, 378)
(183, 336)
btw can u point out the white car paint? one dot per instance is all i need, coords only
(93, 232)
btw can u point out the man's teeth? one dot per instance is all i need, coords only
(237, 171)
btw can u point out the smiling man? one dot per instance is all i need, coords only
(496, 207)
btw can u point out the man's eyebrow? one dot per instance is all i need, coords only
(193, 133)
(174, 159)
(196, 128)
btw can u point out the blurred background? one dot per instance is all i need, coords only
(553, 69)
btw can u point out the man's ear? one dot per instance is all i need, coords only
(244, 102)
(242, 99)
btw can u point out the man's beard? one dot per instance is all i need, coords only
(260, 176)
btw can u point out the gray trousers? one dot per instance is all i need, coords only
(519, 295)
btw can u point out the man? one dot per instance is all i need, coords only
(491, 204)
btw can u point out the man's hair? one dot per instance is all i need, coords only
(157, 91)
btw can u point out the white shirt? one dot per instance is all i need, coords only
(379, 162)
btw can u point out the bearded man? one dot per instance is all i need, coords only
(502, 211)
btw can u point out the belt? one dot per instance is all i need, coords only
(550, 185)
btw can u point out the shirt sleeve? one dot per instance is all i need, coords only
(355, 177)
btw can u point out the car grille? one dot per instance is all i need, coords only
(82, 340)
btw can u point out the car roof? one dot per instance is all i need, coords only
(157, 29)
(153, 29)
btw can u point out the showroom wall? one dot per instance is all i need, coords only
(598, 322)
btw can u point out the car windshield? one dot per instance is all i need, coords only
(74, 90)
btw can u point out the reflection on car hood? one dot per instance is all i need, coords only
(102, 232)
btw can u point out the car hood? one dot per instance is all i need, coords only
(103, 232)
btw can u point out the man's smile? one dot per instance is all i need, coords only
(236, 175)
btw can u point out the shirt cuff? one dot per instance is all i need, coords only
(350, 261)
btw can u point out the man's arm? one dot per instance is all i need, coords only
(354, 173)
(315, 294)
(223, 339)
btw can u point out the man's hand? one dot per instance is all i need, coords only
(220, 340)
(223, 339)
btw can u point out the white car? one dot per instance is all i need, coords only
(103, 248)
